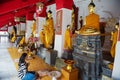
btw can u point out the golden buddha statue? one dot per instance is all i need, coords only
(92, 20)
(114, 35)
(48, 37)
(68, 39)
(50, 25)
(114, 40)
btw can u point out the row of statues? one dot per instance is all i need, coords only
(91, 23)
(47, 34)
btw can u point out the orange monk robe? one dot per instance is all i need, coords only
(67, 40)
(92, 20)
(114, 39)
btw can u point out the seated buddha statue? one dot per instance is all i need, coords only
(114, 35)
(48, 30)
(91, 21)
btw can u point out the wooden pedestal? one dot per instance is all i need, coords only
(66, 75)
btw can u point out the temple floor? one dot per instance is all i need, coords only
(7, 67)
(9, 58)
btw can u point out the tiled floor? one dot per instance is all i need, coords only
(7, 67)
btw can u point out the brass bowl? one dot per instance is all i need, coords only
(69, 66)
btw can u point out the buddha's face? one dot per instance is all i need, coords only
(49, 15)
(68, 27)
(33, 21)
(91, 9)
(116, 26)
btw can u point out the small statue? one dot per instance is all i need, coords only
(81, 22)
(114, 35)
(114, 40)
(68, 39)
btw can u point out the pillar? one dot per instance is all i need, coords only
(63, 18)
(116, 67)
(29, 22)
(22, 26)
(41, 17)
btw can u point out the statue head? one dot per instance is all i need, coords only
(34, 20)
(116, 25)
(80, 17)
(68, 26)
(91, 7)
(73, 10)
(49, 14)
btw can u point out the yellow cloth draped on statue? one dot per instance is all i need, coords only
(48, 36)
(114, 39)
(50, 26)
(92, 20)
(67, 39)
